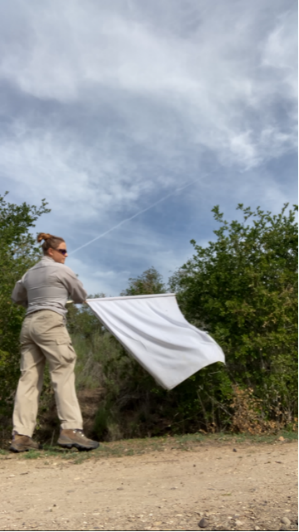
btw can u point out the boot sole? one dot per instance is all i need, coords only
(24, 449)
(77, 446)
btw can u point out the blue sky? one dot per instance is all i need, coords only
(108, 107)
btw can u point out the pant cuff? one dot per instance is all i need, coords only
(66, 425)
(22, 431)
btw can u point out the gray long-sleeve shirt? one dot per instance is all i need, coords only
(48, 286)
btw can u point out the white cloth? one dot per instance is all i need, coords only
(154, 331)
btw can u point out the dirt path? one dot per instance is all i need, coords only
(251, 488)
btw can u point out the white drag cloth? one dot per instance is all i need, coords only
(154, 331)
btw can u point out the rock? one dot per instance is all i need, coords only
(256, 528)
(203, 523)
(281, 438)
(284, 527)
(239, 523)
(285, 521)
(235, 451)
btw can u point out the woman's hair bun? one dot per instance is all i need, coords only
(50, 241)
(43, 236)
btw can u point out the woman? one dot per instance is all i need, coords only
(44, 291)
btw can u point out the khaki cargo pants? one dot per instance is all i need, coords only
(45, 337)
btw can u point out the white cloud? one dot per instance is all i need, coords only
(208, 85)
(71, 177)
(113, 105)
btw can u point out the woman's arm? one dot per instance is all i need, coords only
(73, 286)
(19, 294)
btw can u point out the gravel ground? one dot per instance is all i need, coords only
(251, 487)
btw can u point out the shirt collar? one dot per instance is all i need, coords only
(46, 257)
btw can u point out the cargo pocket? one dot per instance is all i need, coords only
(65, 351)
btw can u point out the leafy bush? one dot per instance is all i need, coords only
(18, 252)
(242, 289)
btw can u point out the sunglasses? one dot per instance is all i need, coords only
(62, 251)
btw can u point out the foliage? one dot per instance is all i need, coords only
(82, 321)
(242, 288)
(150, 282)
(249, 415)
(17, 253)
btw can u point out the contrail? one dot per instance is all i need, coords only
(131, 217)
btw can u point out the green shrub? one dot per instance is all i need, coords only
(18, 252)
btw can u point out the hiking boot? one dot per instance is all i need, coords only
(75, 438)
(21, 443)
